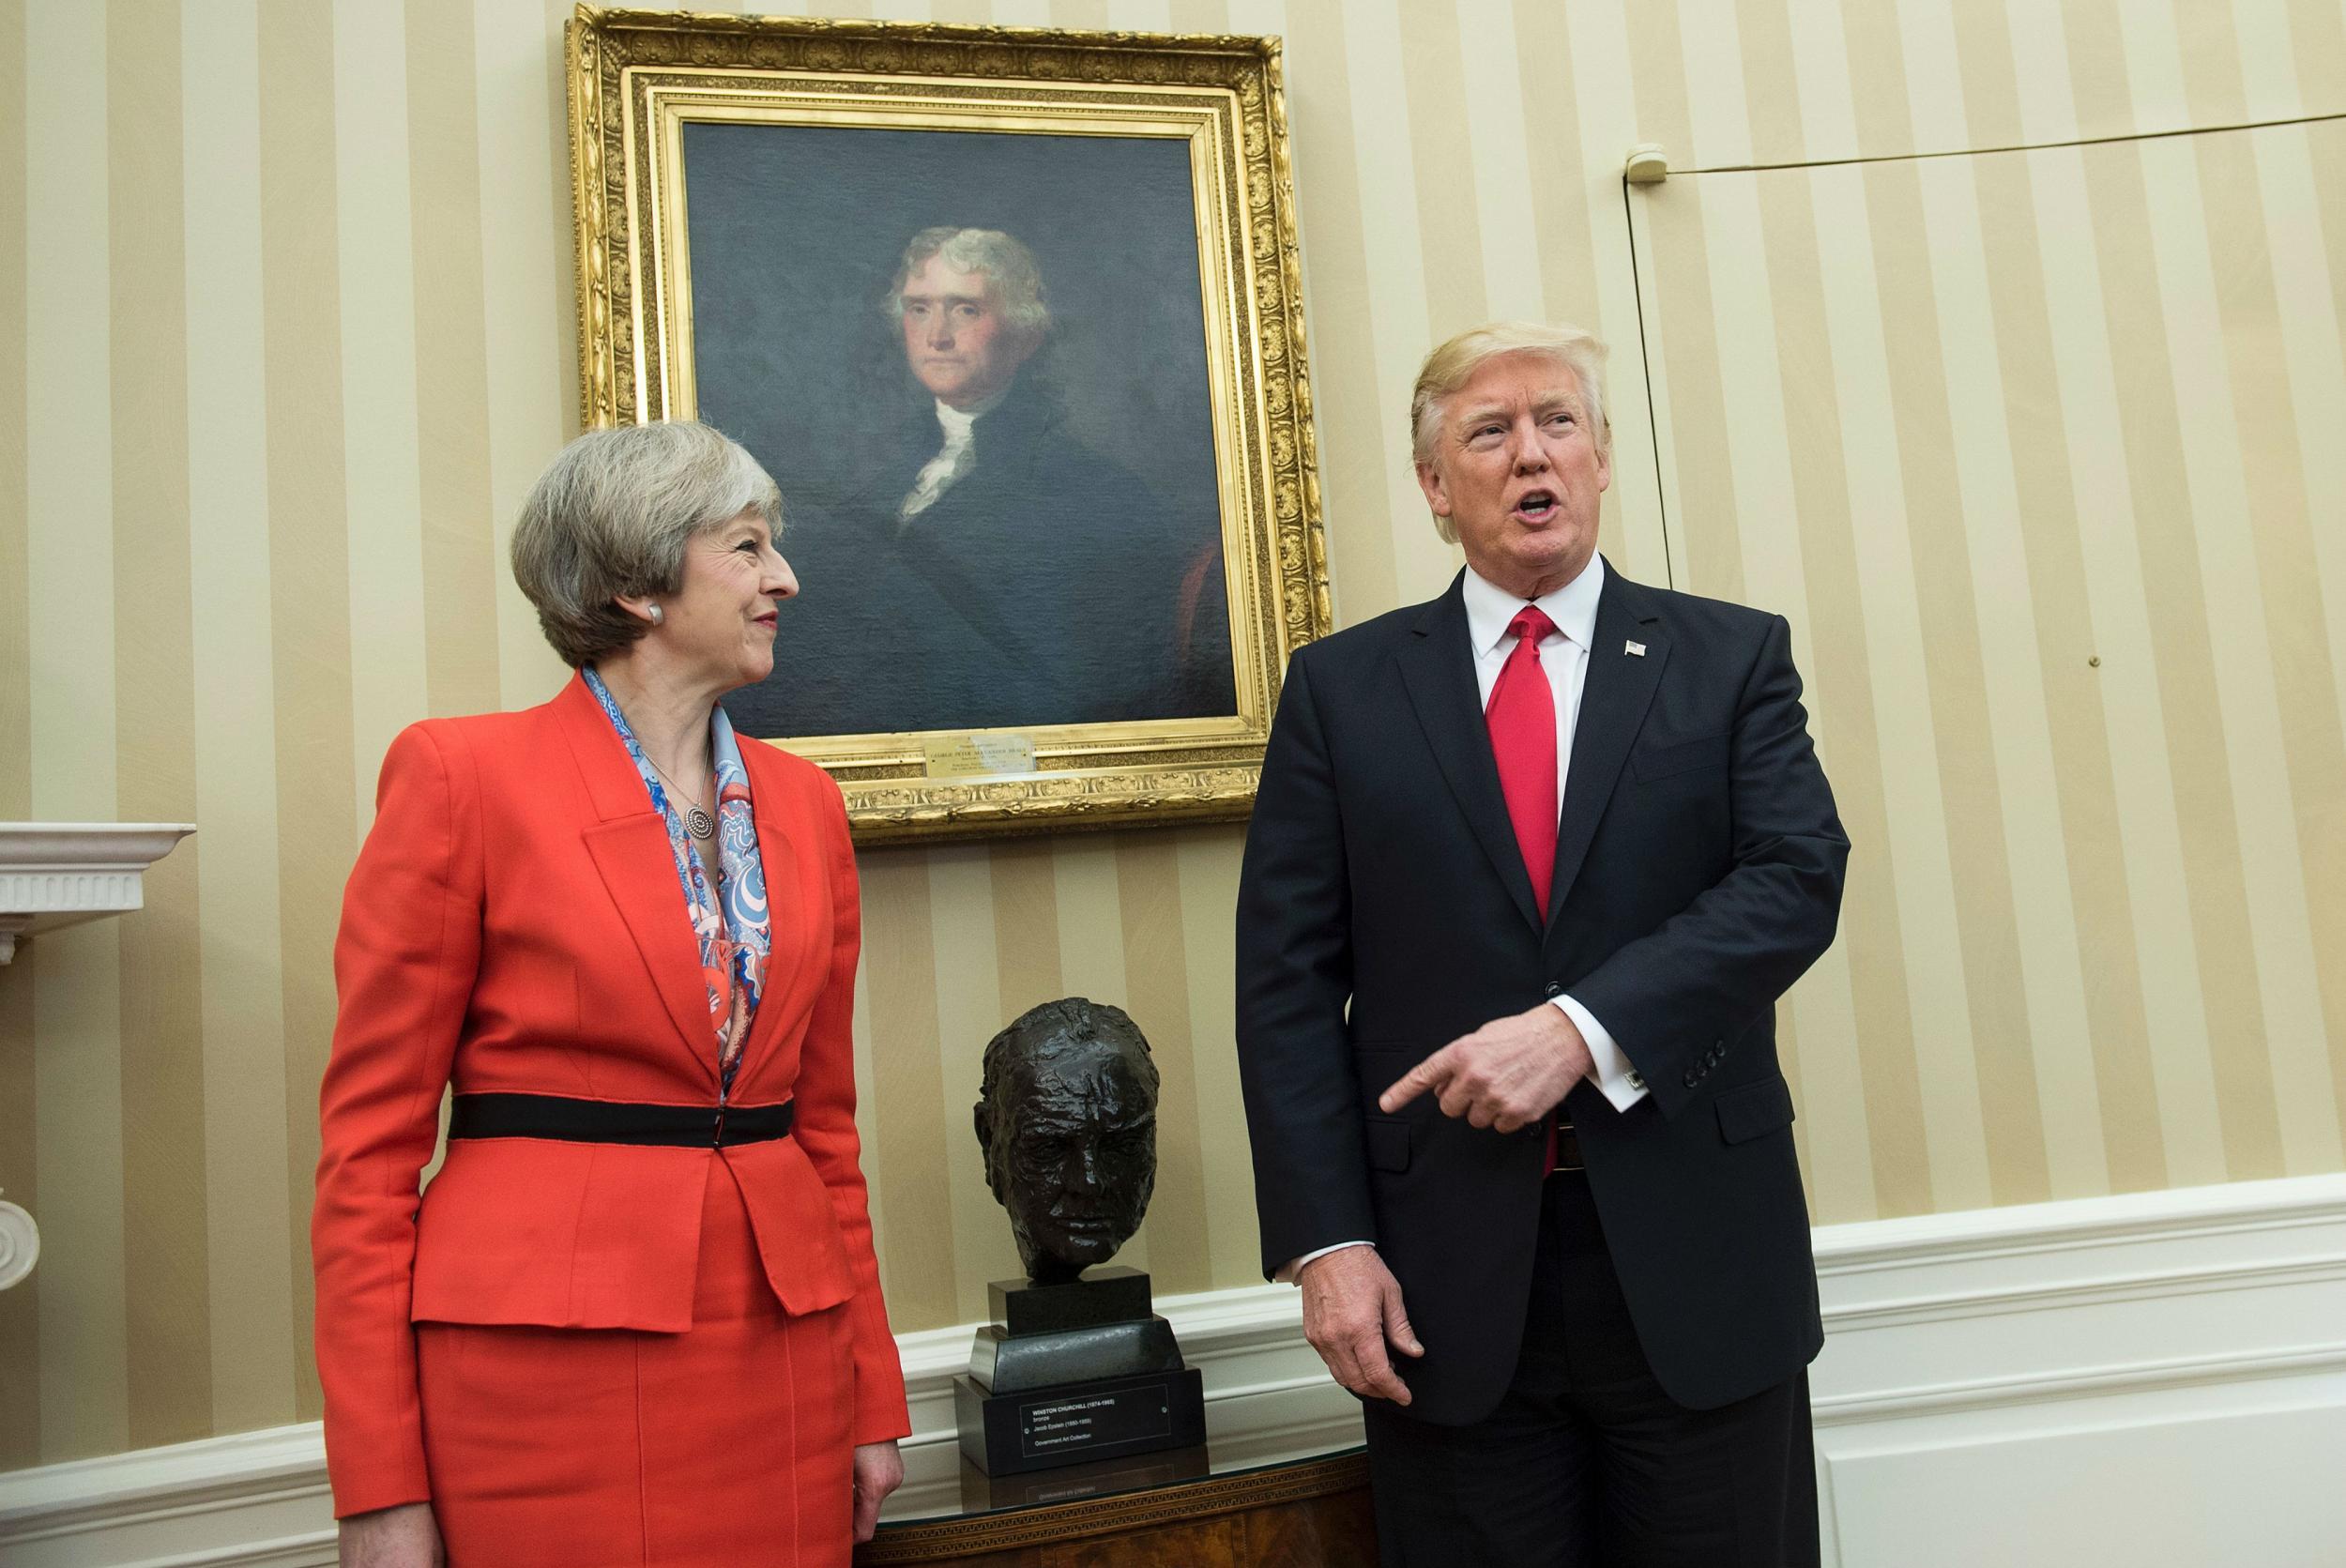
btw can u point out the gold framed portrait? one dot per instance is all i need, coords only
(1014, 319)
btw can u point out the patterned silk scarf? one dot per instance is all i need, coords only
(733, 926)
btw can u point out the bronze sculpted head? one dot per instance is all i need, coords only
(1067, 1115)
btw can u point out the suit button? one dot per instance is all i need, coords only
(1554, 989)
(1692, 1078)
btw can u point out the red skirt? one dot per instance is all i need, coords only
(728, 1444)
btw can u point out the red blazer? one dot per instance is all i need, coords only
(513, 923)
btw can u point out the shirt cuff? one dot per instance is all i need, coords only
(1616, 1078)
(1294, 1266)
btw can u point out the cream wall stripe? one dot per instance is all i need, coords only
(164, 1240)
(1821, 67)
(1399, 326)
(2142, 1017)
(1711, 48)
(1208, 861)
(1026, 922)
(2148, 815)
(77, 1082)
(1092, 955)
(1911, 1126)
(2180, 661)
(20, 1127)
(525, 264)
(2118, 1092)
(2174, 487)
(383, 502)
(452, 386)
(1992, 102)
(918, 1243)
(2312, 58)
(250, 1288)
(1148, 906)
(1682, 346)
(1444, 160)
(1597, 52)
(1857, 992)
(1363, 483)
(1553, 174)
(968, 1010)
(1766, 65)
(321, 796)
(2235, 517)
(16, 647)
(1499, 152)
(1959, 929)
(1140, 16)
(2033, 1008)
(2311, 349)
(2040, 71)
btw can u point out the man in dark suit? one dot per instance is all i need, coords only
(1530, 866)
(972, 565)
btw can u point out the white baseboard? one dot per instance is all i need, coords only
(2153, 1380)
(2156, 1380)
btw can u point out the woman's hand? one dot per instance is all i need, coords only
(878, 1471)
(408, 1537)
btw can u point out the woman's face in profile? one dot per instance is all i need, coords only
(723, 617)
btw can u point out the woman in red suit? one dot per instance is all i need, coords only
(636, 1317)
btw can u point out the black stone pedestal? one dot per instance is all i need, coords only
(1075, 1372)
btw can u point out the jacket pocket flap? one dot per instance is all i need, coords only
(1388, 1143)
(1659, 762)
(1753, 1110)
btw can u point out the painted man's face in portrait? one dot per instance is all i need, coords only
(1070, 1150)
(956, 341)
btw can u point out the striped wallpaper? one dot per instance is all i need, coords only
(294, 280)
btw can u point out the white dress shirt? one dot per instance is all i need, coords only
(953, 460)
(1564, 660)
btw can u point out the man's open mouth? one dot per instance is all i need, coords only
(1537, 506)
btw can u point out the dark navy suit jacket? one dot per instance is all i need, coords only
(1384, 911)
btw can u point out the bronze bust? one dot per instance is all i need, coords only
(1067, 1115)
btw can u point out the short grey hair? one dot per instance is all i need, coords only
(612, 515)
(1454, 364)
(1017, 280)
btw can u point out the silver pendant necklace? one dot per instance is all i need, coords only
(697, 822)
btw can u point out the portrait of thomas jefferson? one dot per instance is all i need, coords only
(985, 564)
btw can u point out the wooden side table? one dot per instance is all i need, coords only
(1296, 1514)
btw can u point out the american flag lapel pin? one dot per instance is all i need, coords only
(1634, 650)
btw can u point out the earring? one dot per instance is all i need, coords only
(654, 614)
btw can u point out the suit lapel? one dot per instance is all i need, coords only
(629, 847)
(1438, 669)
(1615, 693)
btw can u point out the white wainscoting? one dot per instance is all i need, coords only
(2149, 1381)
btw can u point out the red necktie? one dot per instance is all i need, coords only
(1522, 720)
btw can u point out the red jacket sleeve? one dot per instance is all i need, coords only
(824, 1128)
(405, 961)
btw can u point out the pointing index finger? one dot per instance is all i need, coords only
(1416, 1081)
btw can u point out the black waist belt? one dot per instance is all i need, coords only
(559, 1117)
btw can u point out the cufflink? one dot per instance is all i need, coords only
(1637, 1080)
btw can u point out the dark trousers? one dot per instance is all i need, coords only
(1586, 1462)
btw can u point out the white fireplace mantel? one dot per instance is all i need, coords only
(58, 874)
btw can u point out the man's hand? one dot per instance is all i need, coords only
(402, 1537)
(1351, 1311)
(878, 1471)
(1506, 1074)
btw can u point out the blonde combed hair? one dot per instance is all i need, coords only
(1453, 364)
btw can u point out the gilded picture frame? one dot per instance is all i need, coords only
(764, 173)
